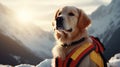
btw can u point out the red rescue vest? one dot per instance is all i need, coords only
(78, 54)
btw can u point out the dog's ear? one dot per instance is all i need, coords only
(83, 20)
(56, 14)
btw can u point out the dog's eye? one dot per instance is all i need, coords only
(59, 13)
(71, 14)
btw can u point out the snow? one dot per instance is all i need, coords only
(105, 20)
(45, 63)
(114, 61)
(16, 57)
(5, 66)
(25, 65)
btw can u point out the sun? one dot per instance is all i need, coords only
(24, 16)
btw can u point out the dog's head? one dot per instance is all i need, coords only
(69, 19)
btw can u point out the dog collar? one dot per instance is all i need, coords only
(73, 43)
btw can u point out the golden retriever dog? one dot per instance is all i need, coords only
(70, 26)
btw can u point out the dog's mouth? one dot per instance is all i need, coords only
(63, 29)
(69, 30)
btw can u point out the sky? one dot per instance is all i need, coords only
(41, 12)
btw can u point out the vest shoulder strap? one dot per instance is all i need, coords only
(99, 50)
(96, 58)
(99, 46)
(80, 54)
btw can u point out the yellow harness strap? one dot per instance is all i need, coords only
(96, 58)
(79, 51)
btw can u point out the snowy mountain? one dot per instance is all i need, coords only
(12, 53)
(29, 36)
(106, 26)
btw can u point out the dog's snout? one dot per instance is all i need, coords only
(59, 21)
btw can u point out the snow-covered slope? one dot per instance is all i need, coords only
(45, 63)
(106, 26)
(113, 62)
(105, 21)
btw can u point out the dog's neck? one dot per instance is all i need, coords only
(73, 43)
(67, 38)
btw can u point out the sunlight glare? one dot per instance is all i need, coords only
(24, 16)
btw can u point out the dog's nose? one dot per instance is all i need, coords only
(59, 21)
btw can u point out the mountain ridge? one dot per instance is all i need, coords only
(13, 53)
(106, 26)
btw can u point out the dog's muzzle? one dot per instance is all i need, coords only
(59, 23)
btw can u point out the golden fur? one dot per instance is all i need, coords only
(77, 21)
